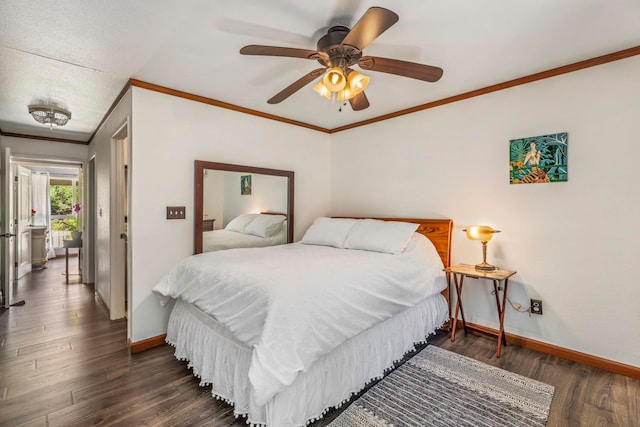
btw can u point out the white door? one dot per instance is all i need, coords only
(6, 227)
(118, 263)
(23, 214)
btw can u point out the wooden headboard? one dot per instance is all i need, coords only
(284, 214)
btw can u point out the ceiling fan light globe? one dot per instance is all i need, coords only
(334, 79)
(357, 82)
(322, 90)
(345, 94)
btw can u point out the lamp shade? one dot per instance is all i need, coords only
(334, 79)
(480, 232)
(345, 94)
(322, 90)
(356, 84)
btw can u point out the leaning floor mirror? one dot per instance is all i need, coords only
(241, 206)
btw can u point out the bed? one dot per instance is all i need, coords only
(287, 349)
(248, 231)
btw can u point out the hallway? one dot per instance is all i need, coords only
(44, 343)
(64, 363)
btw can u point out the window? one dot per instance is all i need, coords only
(63, 193)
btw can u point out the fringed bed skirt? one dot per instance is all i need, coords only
(220, 360)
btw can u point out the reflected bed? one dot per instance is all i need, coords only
(223, 239)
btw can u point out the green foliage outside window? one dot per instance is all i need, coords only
(61, 199)
(67, 224)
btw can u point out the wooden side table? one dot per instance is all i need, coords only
(72, 244)
(208, 224)
(459, 272)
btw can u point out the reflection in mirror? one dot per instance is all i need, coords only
(241, 206)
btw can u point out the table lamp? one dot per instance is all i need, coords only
(484, 234)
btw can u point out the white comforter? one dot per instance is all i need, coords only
(294, 303)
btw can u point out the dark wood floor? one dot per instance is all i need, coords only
(63, 363)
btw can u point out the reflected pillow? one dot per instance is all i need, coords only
(328, 232)
(239, 223)
(380, 236)
(265, 225)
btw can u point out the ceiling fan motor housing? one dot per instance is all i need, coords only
(342, 56)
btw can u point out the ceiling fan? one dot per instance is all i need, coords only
(339, 50)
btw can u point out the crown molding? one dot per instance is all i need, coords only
(114, 104)
(41, 138)
(221, 104)
(576, 66)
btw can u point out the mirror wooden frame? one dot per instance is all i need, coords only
(201, 165)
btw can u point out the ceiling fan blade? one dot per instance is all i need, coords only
(291, 52)
(296, 86)
(412, 70)
(375, 21)
(359, 102)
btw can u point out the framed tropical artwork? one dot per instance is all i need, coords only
(245, 185)
(539, 159)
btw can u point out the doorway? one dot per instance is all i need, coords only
(120, 258)
(49, 212)
(42, 201)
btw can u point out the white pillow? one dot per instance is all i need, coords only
(239, 223)
(380, 236)
(328, 232)
(265, 225)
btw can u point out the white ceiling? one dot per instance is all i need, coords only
(79, 54)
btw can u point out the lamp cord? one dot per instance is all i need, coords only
(520, 310)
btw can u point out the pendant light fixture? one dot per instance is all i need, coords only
(49, 115)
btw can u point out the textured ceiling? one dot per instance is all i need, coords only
(79, 54)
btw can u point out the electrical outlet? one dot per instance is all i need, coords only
(175, 212)
(536, 306)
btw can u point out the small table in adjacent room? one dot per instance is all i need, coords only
(459, 272)
(208, 224)
(77, 243)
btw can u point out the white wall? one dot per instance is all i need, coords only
(45, 149)
(574, 244)
(169, 134)
(268, 194)
(213, 196)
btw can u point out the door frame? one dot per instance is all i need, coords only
(22, 189)
(91, 203)
(7, 267)
(120, 254)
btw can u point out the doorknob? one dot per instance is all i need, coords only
(7, 235)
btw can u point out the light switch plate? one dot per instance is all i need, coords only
(175, 212)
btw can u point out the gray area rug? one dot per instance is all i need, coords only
(437, 387)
